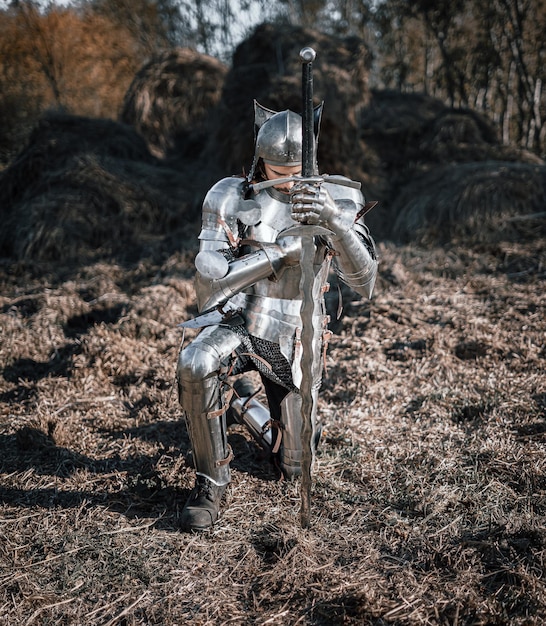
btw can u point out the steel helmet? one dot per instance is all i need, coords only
(278, 136)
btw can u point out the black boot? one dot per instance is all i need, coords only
(201, 510)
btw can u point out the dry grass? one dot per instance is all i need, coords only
(429, 493)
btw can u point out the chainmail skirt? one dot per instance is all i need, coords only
(264, 356)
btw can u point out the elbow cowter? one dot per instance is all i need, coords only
(356, 260)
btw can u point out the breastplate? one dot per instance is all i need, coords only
(273, 306)
(275, 216)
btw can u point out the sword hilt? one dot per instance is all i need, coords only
(307, 56)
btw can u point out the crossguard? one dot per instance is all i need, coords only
(306, 230)
(314, 180)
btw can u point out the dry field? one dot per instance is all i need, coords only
(429, 497)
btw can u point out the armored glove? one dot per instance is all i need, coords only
(311, 204)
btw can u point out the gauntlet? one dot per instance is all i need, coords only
(355, 258)
(312, 204)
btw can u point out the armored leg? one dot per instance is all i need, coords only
(286, 408)
(246, 409)
(201, 397)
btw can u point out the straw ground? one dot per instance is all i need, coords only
(428, 504)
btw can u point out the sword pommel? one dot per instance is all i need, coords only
(307, 55)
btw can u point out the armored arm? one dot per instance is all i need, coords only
(356, 261)
(221, 270)
(213, 290)
(337, 207)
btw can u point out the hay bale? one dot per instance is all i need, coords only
(413, 138)
(473, 203)
(56, 139)
(87, 188)
(409, 130)
(461, 136)
(170, 98)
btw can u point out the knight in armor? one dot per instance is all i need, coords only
(248, 296)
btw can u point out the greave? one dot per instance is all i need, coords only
(201, 397)
(291, 446)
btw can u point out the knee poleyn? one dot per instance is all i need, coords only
(196, 364)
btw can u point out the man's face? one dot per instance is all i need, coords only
(282, 171)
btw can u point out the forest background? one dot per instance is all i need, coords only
(82, 56)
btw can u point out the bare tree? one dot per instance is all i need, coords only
(523, 23)
(44, 35)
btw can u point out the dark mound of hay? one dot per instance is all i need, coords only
(56, 140)
(87, 188)
(411, 131)
(490, 201)
(415, 143)
(170, 98)
(267, 67)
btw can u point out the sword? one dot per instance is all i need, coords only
(307, 232)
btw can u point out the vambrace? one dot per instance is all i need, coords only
(356, 262)
(241, 273)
